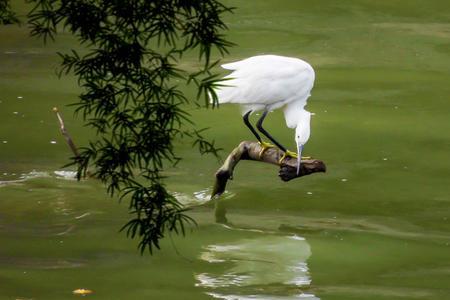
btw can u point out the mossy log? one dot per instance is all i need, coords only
(251, 151)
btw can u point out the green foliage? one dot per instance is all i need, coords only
(7, 16)
(131, 96)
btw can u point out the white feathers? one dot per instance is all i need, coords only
(268, 82)
(302, 128)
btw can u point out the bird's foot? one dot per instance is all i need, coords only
(287, 153)
(264, 147)
(293, 155)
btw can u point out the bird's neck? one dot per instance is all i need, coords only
(304, 119)
(303, 128)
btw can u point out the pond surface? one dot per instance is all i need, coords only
(375, 226)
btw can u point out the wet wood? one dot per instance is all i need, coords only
(65, 133)
(69, 140)
(251, 151)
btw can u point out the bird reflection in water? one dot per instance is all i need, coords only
(266, 267)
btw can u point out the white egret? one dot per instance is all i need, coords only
(268, 82)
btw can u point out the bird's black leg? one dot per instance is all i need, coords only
(263, 131)
(249, 125)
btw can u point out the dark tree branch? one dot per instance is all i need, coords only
(251, 151)
(131, 75)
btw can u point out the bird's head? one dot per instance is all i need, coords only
(302, 132)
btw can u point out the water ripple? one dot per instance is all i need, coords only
(16, 178)
(265, 267)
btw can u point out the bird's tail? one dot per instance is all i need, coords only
(224, 92)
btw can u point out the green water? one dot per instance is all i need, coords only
(375, 226)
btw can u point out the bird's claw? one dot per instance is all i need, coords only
(293, 155)
(264, 147)
(287, 153)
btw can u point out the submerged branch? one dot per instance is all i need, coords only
(251, 151)
(65, 133)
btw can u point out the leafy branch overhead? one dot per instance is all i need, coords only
(7, 15)
(131, 96)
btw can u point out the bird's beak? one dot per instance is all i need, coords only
(299, 156)
(313, 114)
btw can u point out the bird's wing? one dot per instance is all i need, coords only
(230, 66)
(239, 64)
(266, 80)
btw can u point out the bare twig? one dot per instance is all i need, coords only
(65, 133)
